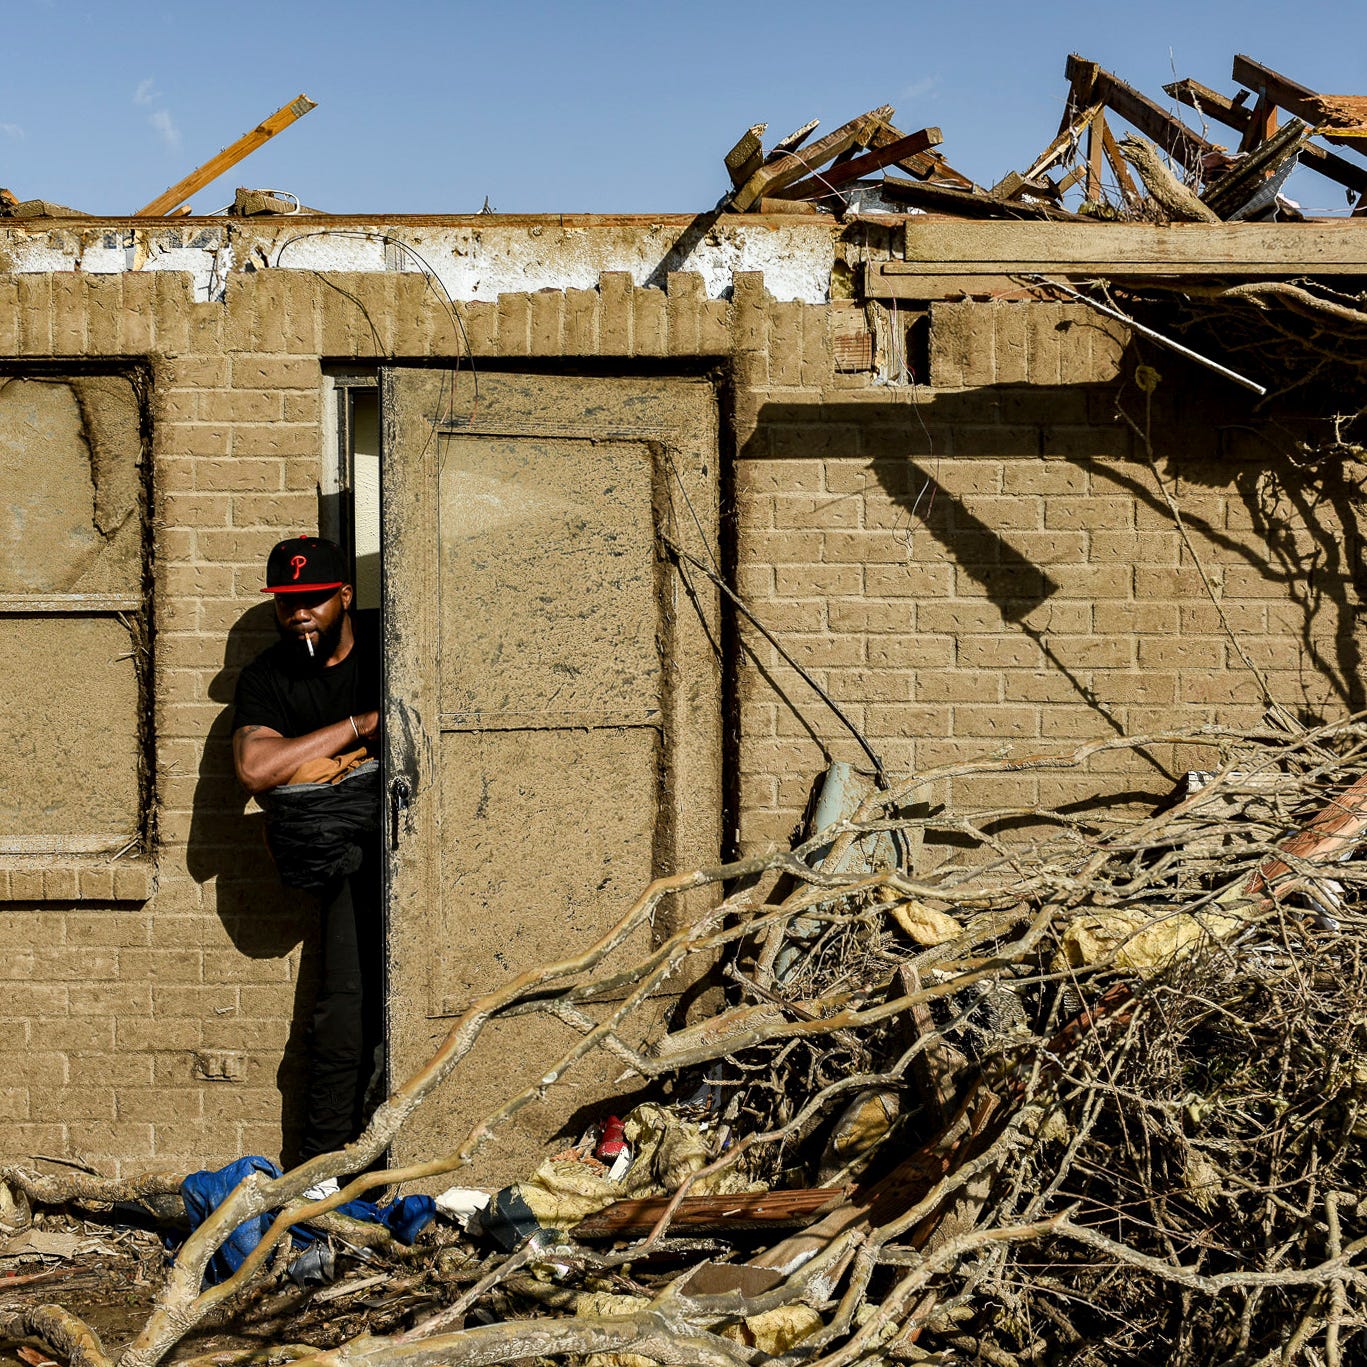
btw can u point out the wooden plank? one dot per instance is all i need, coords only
(1261, 125)
(859, 166)
(1062, 142)
(1096, 144)
(747, 156)
(928, 165)
(698, 1214)
(926, 288)
(1128, 189)
(1171, 134)
(228, 157)
(793, 140)
(1129, 248)
(769, 179)
(766, 205)
(962, 203)
(1210, 103)
(1014, 186)
(1234, 115)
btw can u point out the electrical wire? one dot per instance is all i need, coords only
(433, 280)
(678, 552)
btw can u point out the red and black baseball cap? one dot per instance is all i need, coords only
(304, 564)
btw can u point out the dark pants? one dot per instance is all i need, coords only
(348, 1018)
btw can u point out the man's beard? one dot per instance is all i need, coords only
(323, 647)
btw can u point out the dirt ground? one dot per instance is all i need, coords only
(111, 1279)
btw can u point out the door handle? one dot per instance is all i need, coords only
(400, 797)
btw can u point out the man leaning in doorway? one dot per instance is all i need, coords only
(306, 721)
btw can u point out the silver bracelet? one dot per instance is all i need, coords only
(354, 727)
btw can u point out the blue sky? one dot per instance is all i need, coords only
(429, 106)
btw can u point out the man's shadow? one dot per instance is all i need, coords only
(226, 853)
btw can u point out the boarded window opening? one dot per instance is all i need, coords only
(74, 666)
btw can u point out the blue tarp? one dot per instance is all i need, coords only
(203, 1192)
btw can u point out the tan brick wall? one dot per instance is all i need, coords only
(990, 565)
(982, 563)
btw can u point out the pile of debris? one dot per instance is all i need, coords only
(1003, 1086)
(1211, 183)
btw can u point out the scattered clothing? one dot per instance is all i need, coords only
(203, 1192)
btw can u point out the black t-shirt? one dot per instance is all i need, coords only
(285, 690)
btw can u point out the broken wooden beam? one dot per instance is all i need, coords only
(1013, 185)
(1129, 191)
(1235, 115)
(1063, 140)
(928, 165)
(863, 165)
(227, 158)
(699, 1214)
(791, 166)
(964, 203)
(1345, 115)
(747, 156)
(1290, 95)
(793, 140)
(1094, 84)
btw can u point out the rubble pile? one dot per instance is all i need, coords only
(1080, 1084)
(1163, 171)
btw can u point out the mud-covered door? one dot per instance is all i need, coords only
(552, 703)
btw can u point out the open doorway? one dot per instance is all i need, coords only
(350, 513)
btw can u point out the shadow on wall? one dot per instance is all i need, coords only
(1280, 539)
(227, 848)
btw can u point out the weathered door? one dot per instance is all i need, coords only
(552, 702)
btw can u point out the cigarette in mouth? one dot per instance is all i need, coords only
(308, 641)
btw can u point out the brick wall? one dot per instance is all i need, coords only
(990, 562)
(983, 562)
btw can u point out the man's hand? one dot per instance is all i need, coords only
(264, 759)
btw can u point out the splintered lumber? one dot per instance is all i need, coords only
(227, 158)
(1283, 91)
(700, 1214)
(1346, 115)
(1013, 185)
(1062, 142)
(1329, 836)
(774, 176)
(793, 140)
(1242, 181)
(1093, 84)
(1234, 115)
(747, 156)
(1095, 155)
(865, 165)
(907, 1184)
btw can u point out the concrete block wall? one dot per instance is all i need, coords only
(982, 562)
